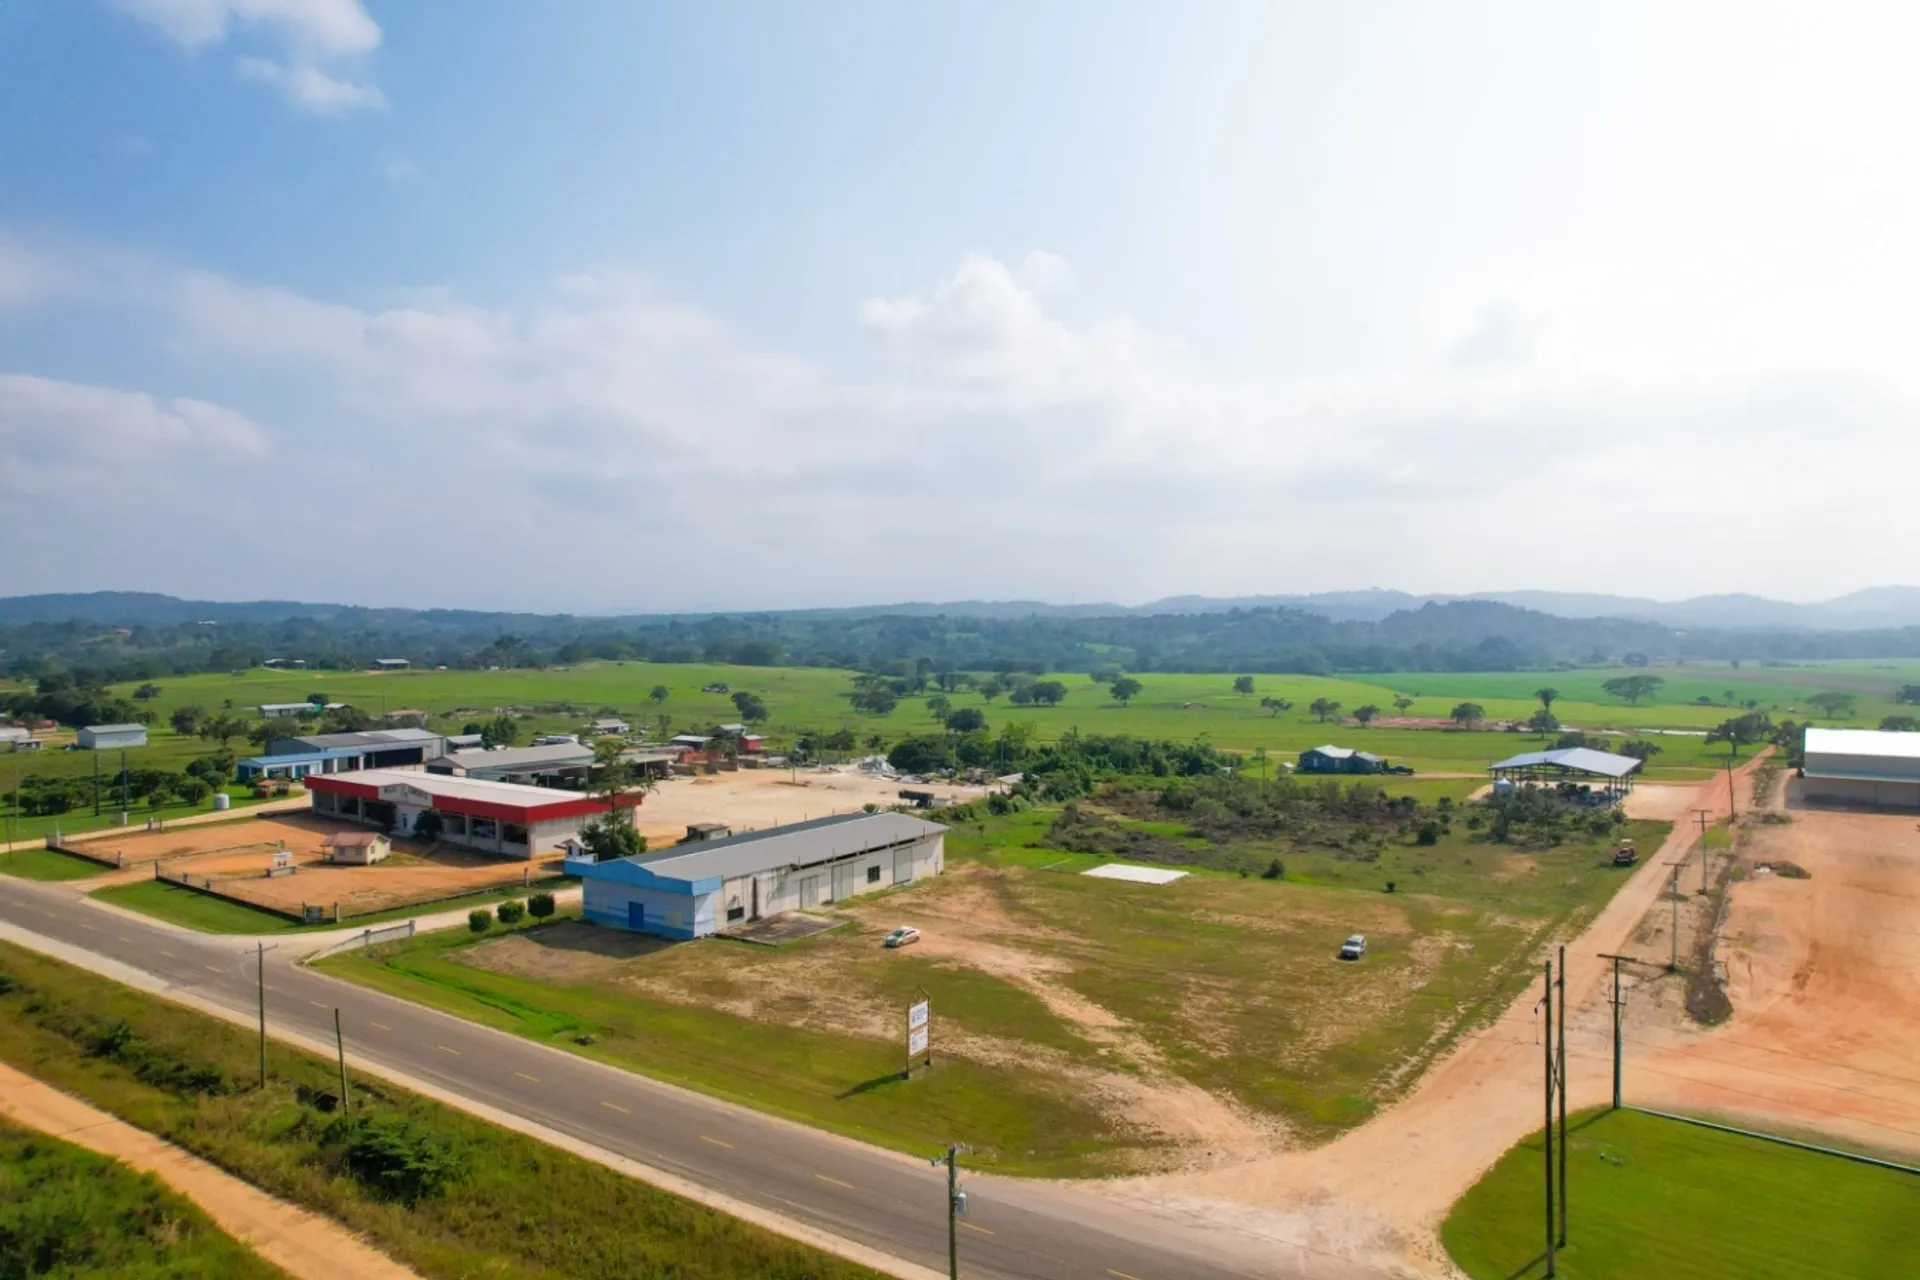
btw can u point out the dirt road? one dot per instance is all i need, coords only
(298, 1242)
(1378, 1194)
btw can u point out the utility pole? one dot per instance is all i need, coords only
(260, 959)
(125, 787)
(1546, 1005)
(96, 782)
(956, 1205)
(340, 1044)
(1560, 1053)
(1673, 964)
(1619, 1007)
(1732, 805)
(1701, 815)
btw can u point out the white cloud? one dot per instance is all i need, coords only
(65, 439)
(317, 44)
(311, 88)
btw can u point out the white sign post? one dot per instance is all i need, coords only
(919, 1031)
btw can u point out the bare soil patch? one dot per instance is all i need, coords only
(754, 799)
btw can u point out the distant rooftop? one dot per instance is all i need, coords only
(797, 845)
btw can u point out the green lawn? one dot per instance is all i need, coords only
(66, 1212)
(1654, 1197)
(511, 1207)
(191, 910)
(45, 864)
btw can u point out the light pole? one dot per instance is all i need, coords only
(260, 960)
(956, 1205)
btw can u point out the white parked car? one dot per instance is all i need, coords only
(904, 936)
(1354, 947)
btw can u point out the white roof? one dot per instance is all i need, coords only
(1863, 742)
(1579, 759)
(116, 728)
(440, 784)
(1134, 875)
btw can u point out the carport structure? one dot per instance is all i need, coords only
(1612, 774)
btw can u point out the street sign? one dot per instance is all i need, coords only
(916, 1042)
(917, 1015)
(919, 1031)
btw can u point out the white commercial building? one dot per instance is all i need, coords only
(493, 817)
(112, 737)
(696, 889)
(1862, 767)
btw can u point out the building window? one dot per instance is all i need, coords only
(513, 833)
(873, 875)
(483, 829)
(736, 913)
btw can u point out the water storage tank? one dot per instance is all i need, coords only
(221, 801)
(1503, 786)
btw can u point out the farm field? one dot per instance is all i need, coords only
(1656, 1197)
(65, 1211)
(1082, 1026)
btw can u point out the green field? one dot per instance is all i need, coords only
(192, 910)
(66, 1212)
(510, 1206)
(1059, 993)
(1656, 1197)
(45, 864)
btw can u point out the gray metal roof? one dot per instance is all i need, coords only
(1335, 753)
(510, 758)
(1578, 759)
(370, 738)
(799, 845)
(116, 728)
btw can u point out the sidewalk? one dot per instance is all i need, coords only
(302, 1244)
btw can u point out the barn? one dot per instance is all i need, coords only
(1865, 768)
(693, 890)
(493, 817)
(1332, 759)
(109, 737)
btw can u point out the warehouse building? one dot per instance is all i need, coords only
(377, 748)
(493, 817)
(693, 890)
(1864, 768)
(564, 764)
(112, 737)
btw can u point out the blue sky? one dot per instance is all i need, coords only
(611, 306)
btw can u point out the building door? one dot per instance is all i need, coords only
(637, 916)
(843, 880)
(809, 891)
(903, 865)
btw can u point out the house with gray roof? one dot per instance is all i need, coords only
(1331, 759)
(695, 889)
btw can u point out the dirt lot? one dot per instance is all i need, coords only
(1824, 977)
(755, 798)
(236, 857)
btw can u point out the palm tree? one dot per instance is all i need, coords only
(1547, 697)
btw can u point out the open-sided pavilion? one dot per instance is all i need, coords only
(1611, 774)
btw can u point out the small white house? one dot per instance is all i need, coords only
(112, 737)
(358, 848)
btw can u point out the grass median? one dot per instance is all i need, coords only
(68, 1212)
(433, 1187)
(205, 913)
(45, 864)
(1656, 1197)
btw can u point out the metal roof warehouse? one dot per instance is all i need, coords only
(694, 889)
(1865, 767)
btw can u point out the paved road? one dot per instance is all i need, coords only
(878, 1198)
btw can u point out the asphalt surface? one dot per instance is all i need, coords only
(881, 1199)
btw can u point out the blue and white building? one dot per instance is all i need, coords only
(693, 890)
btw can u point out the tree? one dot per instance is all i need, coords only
(1908, 693)
(612, 835)
(1544, 722)
(751, 707)
(1547, 695)
(1243, 684)
(1642, 751)
(512, 912)
(540, 906)
(1275, 705)
(146, 692)
(1401, 703)
(1126, 687)
(660, 694)
(1633, 690)
(966, 720)
(992, 687)
(480, 919)
(1900, 724)
(429, 826)
(1364, 715)
(1467, 714)
(193, 790)
(1048, 692)
(223, 729)
(1755, 726)
(923, 754)
(876, 742)
(1833, 706)
(261, 732)
(186, 720)
(938, 706)
(501, 731)
(1324, 709)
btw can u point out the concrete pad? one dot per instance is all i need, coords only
(1134, 875)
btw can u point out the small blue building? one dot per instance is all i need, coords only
(696, 889)
(300, 764)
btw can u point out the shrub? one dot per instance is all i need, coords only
(1429, 833)
(1274, 871)
(512, 912)
(397, 1161)
(540, 906)
(480, 919)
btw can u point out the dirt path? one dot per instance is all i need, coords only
(298, 1242)
(1378, 1194)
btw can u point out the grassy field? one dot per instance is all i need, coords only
(191, 910)
(1067, 1007)
(45, 864)
(511, 1207)
(1654, 1197)
(69, 1213)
